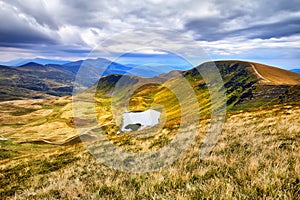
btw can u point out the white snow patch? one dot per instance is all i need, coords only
(148, 118)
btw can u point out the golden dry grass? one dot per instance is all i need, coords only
(257, 157)
(277, 76)
(26, 120)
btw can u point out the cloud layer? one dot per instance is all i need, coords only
(71, 28)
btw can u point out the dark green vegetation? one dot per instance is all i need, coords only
(133, 127)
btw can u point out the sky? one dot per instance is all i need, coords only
(266, 31)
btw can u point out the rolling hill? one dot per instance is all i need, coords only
(35, 80)
(32, 81)
(277, 76)
(251, 84)
(247, 84)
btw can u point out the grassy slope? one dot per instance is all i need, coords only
(27, 120)
(34, 82)
(257, 156)
(278, 76)
(244, 88)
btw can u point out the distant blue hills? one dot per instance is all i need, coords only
(296, 70)
(84, 72)
(42, 61)
(101, 65)
(91, 67)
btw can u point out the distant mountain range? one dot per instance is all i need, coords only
(100, 65)
(296, 70)
(37, 80)
(43, 61)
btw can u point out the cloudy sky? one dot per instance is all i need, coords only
(266, 31)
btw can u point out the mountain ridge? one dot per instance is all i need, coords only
(244, 84)
(241, 80)
(42, 61)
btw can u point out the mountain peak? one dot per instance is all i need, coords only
(42, 61)
(31, 64)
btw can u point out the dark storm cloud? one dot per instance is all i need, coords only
(17, 31)
(112, 15)
(75, 26)
(212, 29)
(207, 29)
(54, 14)
(38, 11)
(21, 37)
(257, 10)
(273, 30)
(253, 19)
(38, 22)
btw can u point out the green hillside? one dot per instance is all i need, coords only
(244, 89)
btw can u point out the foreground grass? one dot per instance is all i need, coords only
(257, 156)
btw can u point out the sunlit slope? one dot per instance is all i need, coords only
(245, 88)
(37, 120)
(277, 76)
(165, 95)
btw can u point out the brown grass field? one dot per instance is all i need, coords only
(276, 75)
(256, 157)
